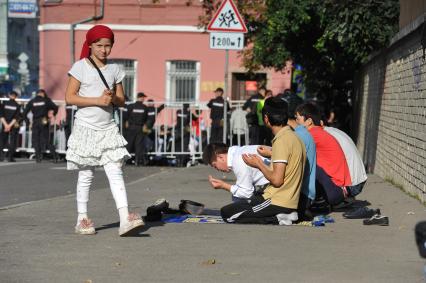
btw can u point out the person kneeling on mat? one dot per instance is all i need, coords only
(279, 202)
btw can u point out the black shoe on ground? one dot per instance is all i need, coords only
(377, 219)
(361, 212)
(155, 211)
(11, 160)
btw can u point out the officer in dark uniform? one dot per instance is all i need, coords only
(182, 132)
(217, 117)
(251, 117)
(136, 117)
(152, 113)
(10, 116)
(290, 97)
(40, 107)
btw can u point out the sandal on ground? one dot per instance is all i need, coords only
(132, 226)
(85, 227)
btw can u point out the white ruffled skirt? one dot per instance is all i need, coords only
(91, 148)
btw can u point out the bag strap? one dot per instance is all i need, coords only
(99, 72)
(101, 75)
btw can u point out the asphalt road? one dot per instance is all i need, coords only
(25, 180)
(38, 243)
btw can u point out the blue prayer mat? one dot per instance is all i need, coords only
(211, 219)
(318, 221)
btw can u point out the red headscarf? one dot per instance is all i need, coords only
(93, 34)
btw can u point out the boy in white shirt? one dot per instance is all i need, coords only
(226, 159)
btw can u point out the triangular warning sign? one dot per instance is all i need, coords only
(227, 19)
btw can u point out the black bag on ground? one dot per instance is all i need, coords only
(191, 207)
(420, 232)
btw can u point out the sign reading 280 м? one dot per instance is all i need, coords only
(222, 40)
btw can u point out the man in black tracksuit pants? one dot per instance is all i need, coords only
(136, 118)
(217, 117)
(40, 107)
(10, 114)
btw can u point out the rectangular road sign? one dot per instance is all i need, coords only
(223, 40)
(22, 8)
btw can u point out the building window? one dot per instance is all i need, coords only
(129, 82)
(183, 81)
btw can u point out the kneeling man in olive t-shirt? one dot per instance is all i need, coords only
(278, 204)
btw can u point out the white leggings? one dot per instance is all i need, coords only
(116, 183)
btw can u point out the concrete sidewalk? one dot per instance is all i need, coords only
(37, 242)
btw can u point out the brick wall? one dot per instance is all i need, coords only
(390, 103)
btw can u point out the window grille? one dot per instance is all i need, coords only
(182, 82)
(129, 82)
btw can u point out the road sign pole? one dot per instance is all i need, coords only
(225, 98)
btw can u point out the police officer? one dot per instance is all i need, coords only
(184, 116)
(152, 113)
(251, 117)
(136, 118)
(40, 107)
(217, 117)
(10, 116)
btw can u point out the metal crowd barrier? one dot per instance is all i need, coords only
(168, 139)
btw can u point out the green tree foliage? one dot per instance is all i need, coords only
(331, 39)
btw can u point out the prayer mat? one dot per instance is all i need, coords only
(210, 219)
(318, 221)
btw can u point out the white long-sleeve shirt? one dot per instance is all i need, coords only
(353, 158)
(247, 177)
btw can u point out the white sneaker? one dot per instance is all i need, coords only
(131, 227)
(85, 227)
(287, 219)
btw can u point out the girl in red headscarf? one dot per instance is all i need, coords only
(95, 139)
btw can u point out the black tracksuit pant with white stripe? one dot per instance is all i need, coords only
(255, 210)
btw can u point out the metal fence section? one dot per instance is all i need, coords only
(181, 129)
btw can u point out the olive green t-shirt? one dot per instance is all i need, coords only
(287, 148)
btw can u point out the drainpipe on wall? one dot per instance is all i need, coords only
(73, 25)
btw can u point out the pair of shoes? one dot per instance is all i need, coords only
(132, 226)
(155, 211)
(287, 219)
(361, 212)
(377, 219)
(85, 227)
